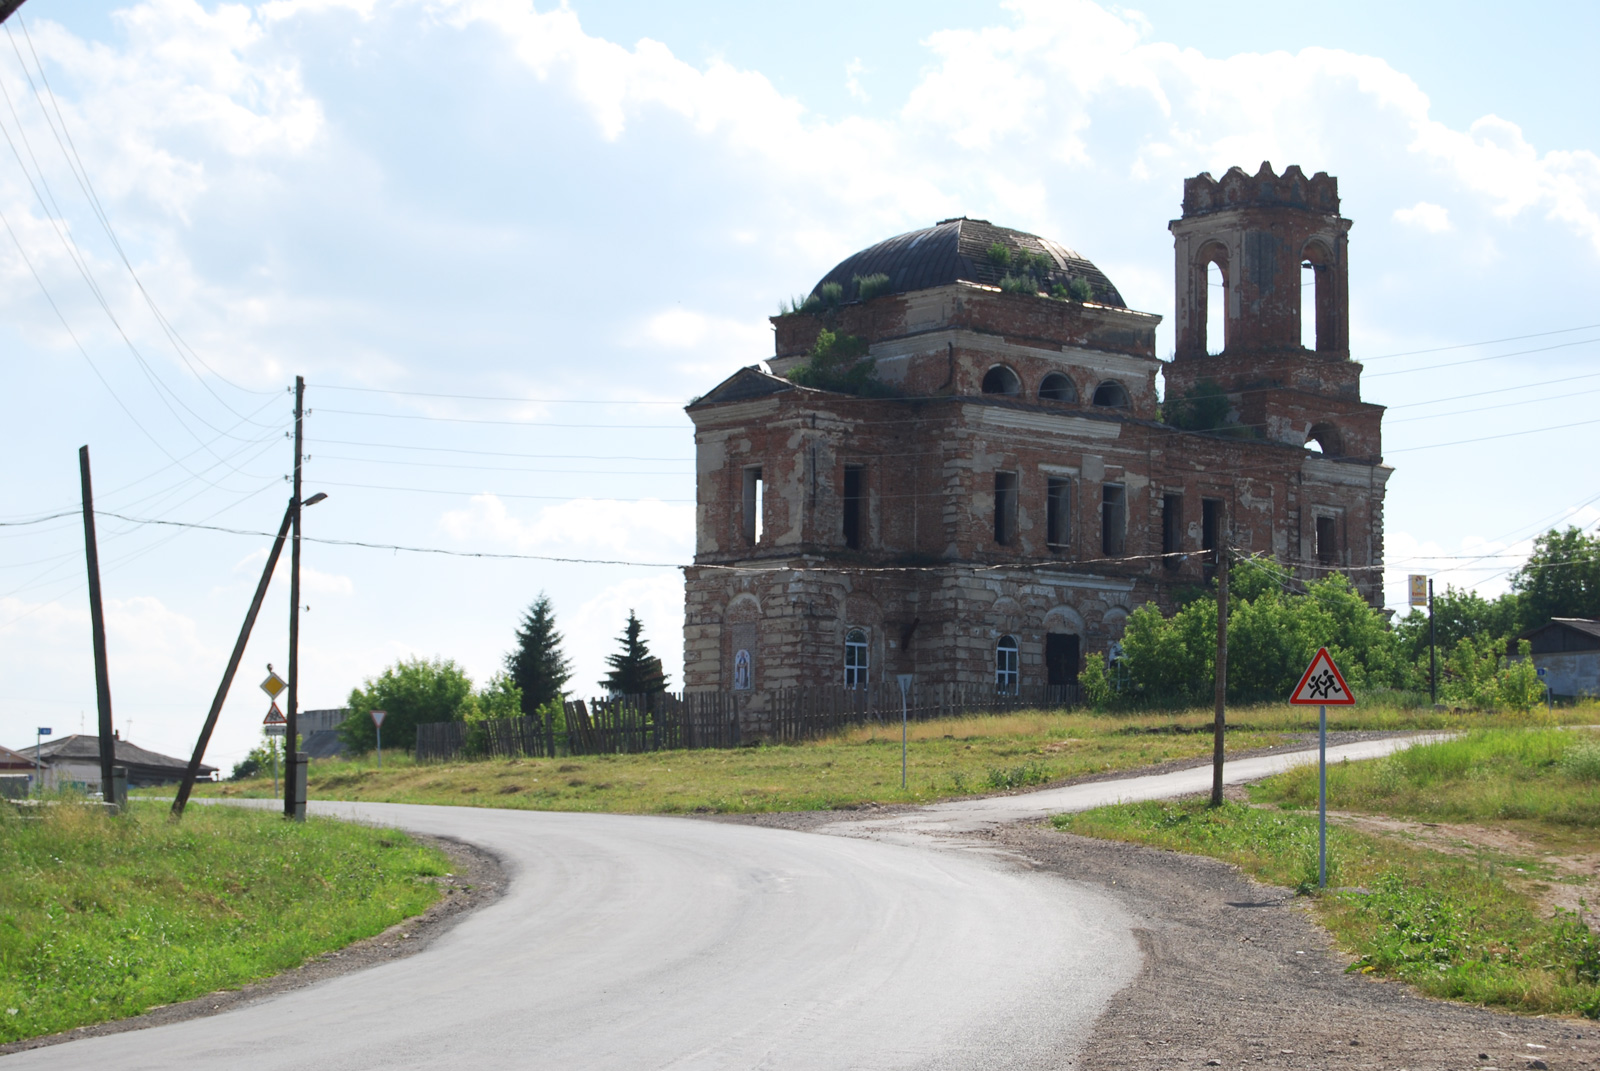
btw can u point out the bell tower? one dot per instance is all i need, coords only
(1287, 380)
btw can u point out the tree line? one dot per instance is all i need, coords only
(533, 682)
(1276, 624)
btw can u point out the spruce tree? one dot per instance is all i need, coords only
(536, 664)
(634, 670)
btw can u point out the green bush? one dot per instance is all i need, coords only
(870, 286)
(1019, 284)
(1581, 761)
(839, 362)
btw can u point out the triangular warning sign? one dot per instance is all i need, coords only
(1322, 684)
(274, 717)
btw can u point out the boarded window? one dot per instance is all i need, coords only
(1007, 675)
(1058, 512)
(1327, 540)
(1060, 659)
(855, 659)
(1113, 519)
(854, 495)
(1171, 530)
(752, 506)
(1005, 508)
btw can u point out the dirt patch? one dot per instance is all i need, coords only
(1238, 973)
(1557, 880)
(477, 881)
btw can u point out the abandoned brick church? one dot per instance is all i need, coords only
(1008, 486)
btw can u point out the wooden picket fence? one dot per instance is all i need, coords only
(619, 725)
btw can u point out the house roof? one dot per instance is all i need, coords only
(1587, 625)
(83, 748)
(14, 760)
(955, 250)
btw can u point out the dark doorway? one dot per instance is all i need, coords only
(1210, 533)
(1060, 659)
(852, 506)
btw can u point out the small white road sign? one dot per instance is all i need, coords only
(274, 684)
(1322, 684)
(378, 716)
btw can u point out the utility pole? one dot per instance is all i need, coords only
(97, 624)
(233, 666)
(1222, 670)
(1433, 652)
(291, 739)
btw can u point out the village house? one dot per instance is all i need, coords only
(74, 762)
(1008, 485)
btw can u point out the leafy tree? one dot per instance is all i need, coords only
(1458, 614)
(259, 761)
(839, 362)
(1272, 635)
(1561, 577)
(413, 692)
(501, 698)
(634, 670)
(537, 665)
(1205, 408)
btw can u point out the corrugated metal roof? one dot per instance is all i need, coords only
(958, 250)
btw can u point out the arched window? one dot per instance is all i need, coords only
(1007, 676)
(1215, 313)
(1111, 395)
(1057, 387)
(1316, 298)
(1325, 440)
(1001, 380)
(855, 659)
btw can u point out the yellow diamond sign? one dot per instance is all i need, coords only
(273, 685)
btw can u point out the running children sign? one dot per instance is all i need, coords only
(1322, 684)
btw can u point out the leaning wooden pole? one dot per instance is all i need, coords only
(97, 623)
(193, 771)
(1219, 726)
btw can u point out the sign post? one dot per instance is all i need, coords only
(274, 724)
(377, 723)
(905, 692)
(38, 757)
(1321, 686)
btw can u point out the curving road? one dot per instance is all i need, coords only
(627, 942)
(631, 942)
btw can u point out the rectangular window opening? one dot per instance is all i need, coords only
(1058, 512)
(1061, 654)
(1210, 532)
(1005, 508)
(854, 479)
(1171, 530)
(1327, 540)
(1113, 519)
(752, 506)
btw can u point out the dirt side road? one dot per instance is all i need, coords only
(1237, 973)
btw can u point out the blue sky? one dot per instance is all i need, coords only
(585, 215)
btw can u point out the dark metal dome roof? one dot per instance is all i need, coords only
(958, 249)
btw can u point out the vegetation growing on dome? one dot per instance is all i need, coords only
(870, 286)
(1019, 284)
(999, 254)
(839, 362)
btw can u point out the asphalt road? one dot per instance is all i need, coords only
(634, 942)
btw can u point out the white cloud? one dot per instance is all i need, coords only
(1424, 215)
(852, 80)
(647, 530)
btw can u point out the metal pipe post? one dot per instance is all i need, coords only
(1322, 797)
(1219, 726)
(1433, 654)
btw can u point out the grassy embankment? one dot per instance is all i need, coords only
(1462, 907)
(102, 918)
(948, 758)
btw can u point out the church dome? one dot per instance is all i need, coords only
(960, 249)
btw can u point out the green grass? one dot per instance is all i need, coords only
(103, 917)
(1464, 924)
(952, 757)
(1544, 776)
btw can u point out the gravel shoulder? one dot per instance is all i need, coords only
(476, 881)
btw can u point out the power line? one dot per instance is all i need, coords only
(1489, 342)
(1480, 360)
(499, 453)
(498, 397)
(493, 494)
